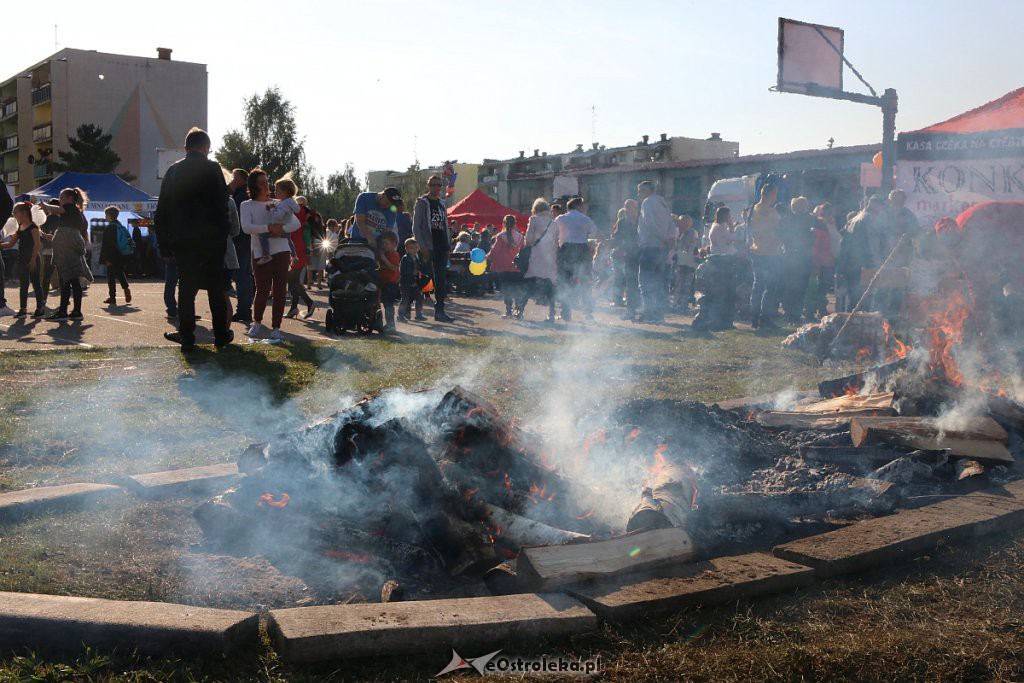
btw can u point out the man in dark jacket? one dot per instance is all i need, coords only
(192, 229)
(430, 228)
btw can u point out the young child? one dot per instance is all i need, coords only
(285, 190)
(116, 237)
(412, 280)
(29, 245)
(388, 275)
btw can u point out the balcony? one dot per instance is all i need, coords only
(42, 133)
(43, 170)
(8, 108)
(11, 177)
(9, 143)
(41, 95)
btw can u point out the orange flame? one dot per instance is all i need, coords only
(268, 498)
(508, 482)
(659, 459)
(897, 349)
(474, 411)
(946, 332)
(586, 515)
(468, 495)
(632, 435)
(862, 354)
(346, 555)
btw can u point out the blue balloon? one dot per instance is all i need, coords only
(478, 255)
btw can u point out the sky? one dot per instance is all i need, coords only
(383, 84)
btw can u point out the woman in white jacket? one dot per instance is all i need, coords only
(271, 277)
(542, 272)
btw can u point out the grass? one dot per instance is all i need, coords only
(96, 415)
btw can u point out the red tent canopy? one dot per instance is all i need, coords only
(1006, 112)
(481, 209)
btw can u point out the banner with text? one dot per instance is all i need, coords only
(945, 173)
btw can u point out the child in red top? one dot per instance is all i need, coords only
(387, 277)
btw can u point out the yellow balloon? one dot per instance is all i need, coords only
(478, 268)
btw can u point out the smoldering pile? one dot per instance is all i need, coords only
(433, 492)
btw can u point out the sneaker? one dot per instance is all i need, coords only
(310, 310)
(127, 295)
(419, 317)
(6, 310)
(58, 315)
(75, 315)
(39, 313)
(255, 331)
(21, 313)
(110, 300)
(222, 343)
(186, 344)
(277, 335)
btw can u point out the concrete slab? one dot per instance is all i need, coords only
(15, 504)
(908, 533)
(308, 634)
(205, 479)
(713, 582)
(54, 623)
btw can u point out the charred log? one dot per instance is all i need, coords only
(668, 500)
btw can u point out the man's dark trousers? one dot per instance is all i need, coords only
(199, 269)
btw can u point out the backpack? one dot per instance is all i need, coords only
(125, 243)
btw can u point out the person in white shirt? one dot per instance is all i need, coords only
(657, 234)
(575, 229)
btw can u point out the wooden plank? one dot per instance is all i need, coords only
(15, 504)
(982, 428)
(310, 634)
(881, 402)
(188, 480)
(781, 420)
(56, 623)
(547, 567)
(699, 584)
(906, 534)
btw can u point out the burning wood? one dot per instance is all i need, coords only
(667, 501)
(520, 531)
(980, 438)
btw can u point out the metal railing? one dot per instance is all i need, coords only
(12, 177)
(43, 170)
(8, 109)
(41, 95)
(9, 143)
(42, 133)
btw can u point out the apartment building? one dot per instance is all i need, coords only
(146, 104)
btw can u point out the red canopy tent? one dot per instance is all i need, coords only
(480, 209)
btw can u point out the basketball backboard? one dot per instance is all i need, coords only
(810, 56)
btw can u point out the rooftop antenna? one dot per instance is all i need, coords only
(593, 123)
(55, 48)
(415, 152)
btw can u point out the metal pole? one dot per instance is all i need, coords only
(889, 106)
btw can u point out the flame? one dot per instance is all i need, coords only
(851, 389)
(346, 555)
(474, 411)
(659, 459)
(537, 494)
(508, 482)
(586, 515)
(268, 498)
(862, 354)
(897, 349)
(946, 332)
(632, 435)
(468, 495)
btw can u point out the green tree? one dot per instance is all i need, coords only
(269, 139)
(90, 153)
(335, 197)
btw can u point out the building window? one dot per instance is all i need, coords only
(42, 133)
(10, 142)
(10, 108)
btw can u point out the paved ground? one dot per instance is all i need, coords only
(142, 323)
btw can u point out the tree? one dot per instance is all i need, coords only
(90, 153)
(269, 139)
(335, 197)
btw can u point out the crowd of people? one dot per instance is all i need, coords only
(252, 244)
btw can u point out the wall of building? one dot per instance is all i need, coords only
(144, 103)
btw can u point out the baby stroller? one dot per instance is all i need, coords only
(354, 294)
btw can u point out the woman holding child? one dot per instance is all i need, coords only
(272, 276)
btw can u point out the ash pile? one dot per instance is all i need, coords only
(431, 495)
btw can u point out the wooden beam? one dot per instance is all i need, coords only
(552, 566)
(781, 420)
(880, 402)
(978, 438)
